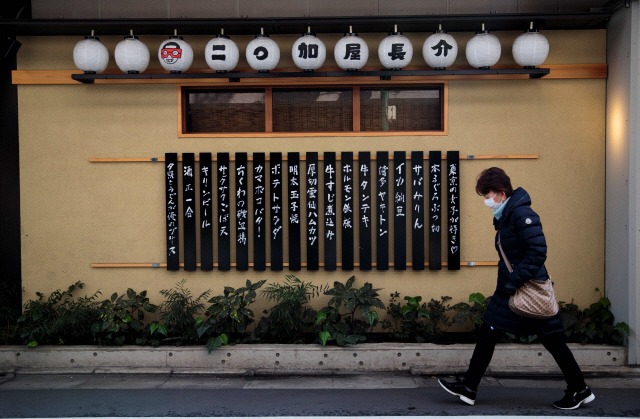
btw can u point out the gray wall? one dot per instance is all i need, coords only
(117, 9)
(622, 187)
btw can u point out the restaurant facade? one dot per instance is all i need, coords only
(140, 177)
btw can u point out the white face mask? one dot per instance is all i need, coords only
(492, 204)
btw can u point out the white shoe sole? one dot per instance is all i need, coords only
(589, 399)
(463, 398)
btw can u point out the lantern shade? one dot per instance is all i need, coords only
(395, 51)
(440, 50)
(483, 50)
(530, 49)
(351, 52)
(221, 54)
(90, 55)
(263, 53)
(132, 56)
(175, 54)
(309, 52)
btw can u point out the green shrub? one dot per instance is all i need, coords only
(121, 319)
(58, 319)
(473, 312)
(9, 312)
(409, 321)
(292, 315)
(229, 315)
(178, 313)
(595, 324)
(345, 328)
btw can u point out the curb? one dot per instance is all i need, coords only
(262, 359)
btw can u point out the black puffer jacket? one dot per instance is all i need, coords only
(524, 244)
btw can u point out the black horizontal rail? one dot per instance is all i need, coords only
(534, 73)
(248, 26)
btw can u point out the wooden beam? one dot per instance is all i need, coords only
(303, 158)
(233, 264)
(558, 71)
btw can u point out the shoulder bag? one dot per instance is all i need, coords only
(534, 298)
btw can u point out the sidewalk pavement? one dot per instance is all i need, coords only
(368, 394)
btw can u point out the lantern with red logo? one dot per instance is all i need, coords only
(175, 54)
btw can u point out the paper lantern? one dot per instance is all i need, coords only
(175, 54)
(351, 52)
(263, 53)
(483, 50)
(309, 52)
(221, 53)
(132, 56)
(440, 50)
(531, 48)
(395, 51)
(90, 55)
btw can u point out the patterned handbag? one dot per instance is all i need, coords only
(535, 298)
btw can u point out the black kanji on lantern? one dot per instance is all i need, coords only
(442, 47)
(352, 52)
(261, 53)
(396, 52)
(221, 57)
(308, 51)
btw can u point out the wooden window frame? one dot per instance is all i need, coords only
(182, 112)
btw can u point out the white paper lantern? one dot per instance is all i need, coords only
(175, 54)
(263, 53)
(483, 50)
(530, 49)
(132, 56)
(440, 50)
(351, 52)
(90, 55)
(309, 52)
(395, 51)
(221, 54)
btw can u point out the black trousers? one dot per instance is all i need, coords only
(554, 343)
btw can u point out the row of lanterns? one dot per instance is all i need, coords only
(309, 52)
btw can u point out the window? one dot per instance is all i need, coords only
(225, 111)
(374, 109)
(308, 110)
(405, 109)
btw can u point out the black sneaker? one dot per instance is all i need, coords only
(460, 389)
(573, 399)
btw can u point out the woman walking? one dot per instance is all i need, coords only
(524, 245)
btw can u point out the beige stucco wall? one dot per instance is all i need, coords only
(75, 213)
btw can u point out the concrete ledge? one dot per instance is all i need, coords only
(303, 359)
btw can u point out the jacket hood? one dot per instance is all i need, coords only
(519, 198)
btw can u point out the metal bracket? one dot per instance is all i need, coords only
(234, 79)
(471, 156)
(471, 264)
(155, 265)
(385, 77)
(153, 159)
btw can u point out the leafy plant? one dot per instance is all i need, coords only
(117, 322)
(409, 320)
(345, 328)
(229, 314)
(473, 312)
(9, 311)
(440, 321)
(58, 319)
(594, 324)
(292, 315)
(178, 312)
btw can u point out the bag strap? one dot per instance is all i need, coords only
(506, 261)
(504, 257)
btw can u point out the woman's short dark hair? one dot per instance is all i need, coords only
(494, 179)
